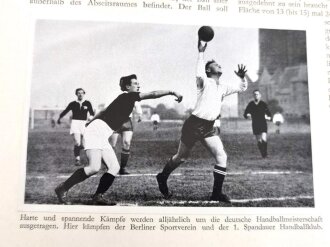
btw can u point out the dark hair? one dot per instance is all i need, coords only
(256, 90)
(126, 81)
(208, 63)
(79, 89)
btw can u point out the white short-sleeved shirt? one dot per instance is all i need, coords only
(210, 96)
(278, 118)
(155, 117)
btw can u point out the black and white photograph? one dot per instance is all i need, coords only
(141, 114)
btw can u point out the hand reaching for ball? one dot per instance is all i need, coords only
(201, 47)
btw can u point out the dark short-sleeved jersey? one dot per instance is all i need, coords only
(79, 111)
(258, 112)
(119, 110)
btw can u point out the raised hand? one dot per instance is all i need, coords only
(201, 47)
(241, 71)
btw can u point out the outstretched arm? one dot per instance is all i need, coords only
(200, 71)
(243, 84)
(160, 93)
(241, 72)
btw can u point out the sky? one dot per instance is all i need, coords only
(94, 55)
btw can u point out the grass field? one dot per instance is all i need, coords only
(282, 180)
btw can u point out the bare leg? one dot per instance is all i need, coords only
(94, 165)
(215, 146)
(171, 165)
(262, 144)
(77, 147)
(110, 160)
(125, 152)
(113, 140)
(259, 143)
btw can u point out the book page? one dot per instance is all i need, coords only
(244, 154)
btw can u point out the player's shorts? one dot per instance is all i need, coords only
(259, 127)
(127, 126)
(278, 123)
(195, 129)
(97, 134)
(77, 127)
(155, 122)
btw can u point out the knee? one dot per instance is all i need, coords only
(126, 145)
(221, 159)
(178, 158)
(90, 171)
(114, 169)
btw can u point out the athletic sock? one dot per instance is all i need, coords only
(77, 177)
(219, 174)
(170, 167)
(124, 157)
(260, 146)
(76, 150)
(264, 147)
(105, 183)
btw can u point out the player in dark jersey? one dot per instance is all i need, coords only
(96, 138)
(126, 133)
(80, 108)
(258, 111)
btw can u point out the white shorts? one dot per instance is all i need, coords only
(217, 123)
(77, 127)
(97, 134)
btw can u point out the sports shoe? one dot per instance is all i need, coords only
(62, 194)
(220, 198)
(98, 199)
(123, 171)
(162, 184)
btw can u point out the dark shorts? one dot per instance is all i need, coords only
(155, 122)
(127, 126)
(278, 123)
(259, 127)
(195, 129)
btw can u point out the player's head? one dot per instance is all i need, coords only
(129, 83)
(256, 95)
(80, 93)
(213, 68)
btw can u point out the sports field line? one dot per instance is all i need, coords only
(179, 174)
(200, 202)
(285, 198)
(128, 175)
(266, 172)
(251, 172)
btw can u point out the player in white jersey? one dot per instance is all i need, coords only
(199, 126)
(126, 133)
(155, 120)
(278, 120)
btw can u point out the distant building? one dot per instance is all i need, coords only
(282, 72)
